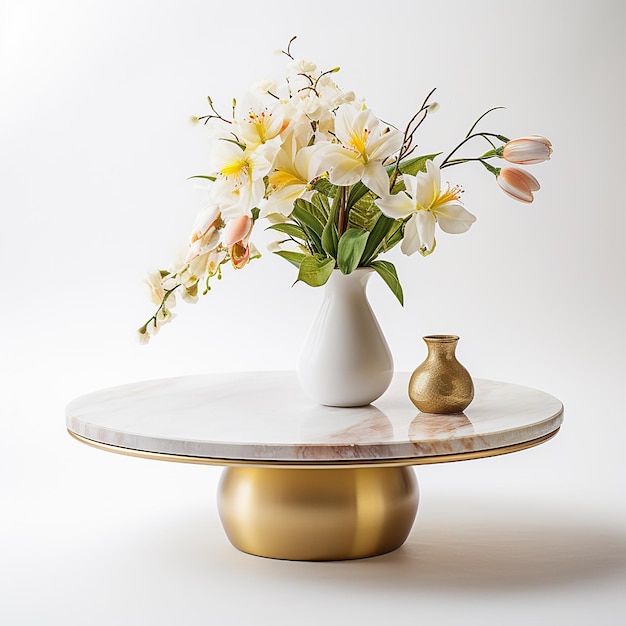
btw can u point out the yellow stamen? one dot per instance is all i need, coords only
(279, 179)
(448, 195)
(235, 168)
(258, 121)
(358, 142)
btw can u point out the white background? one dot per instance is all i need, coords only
(95, 149)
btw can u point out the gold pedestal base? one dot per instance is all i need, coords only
(318, 514)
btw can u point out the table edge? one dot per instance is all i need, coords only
(312, 464)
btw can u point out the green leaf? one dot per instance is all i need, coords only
(212, 178)
(234, 141)
(412, 167)
(384, 225)
(320, 201)
(364, 214)
(330, 238)
(315, 271)
(350, 249)
(319, 212)
(387, 272)
(305, 212)
(357, 191)
(293, 230)
(418, 164)
(323, 185)
(295, 258)
(394, 238)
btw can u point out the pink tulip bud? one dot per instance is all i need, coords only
(237, 230)
(527, 150)
(517, 183)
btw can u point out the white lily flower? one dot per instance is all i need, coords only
(293, 171)
(301, 66)
(426, 204)
(260, 124)
(317, 96)
(363, 147)
(243, 170)
(265, 86)
(299, 123)
(230, 198)
(331, 94)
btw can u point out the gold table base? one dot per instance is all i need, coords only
(321, 511)
(318, 515)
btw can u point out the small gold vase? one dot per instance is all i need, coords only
(441, 384)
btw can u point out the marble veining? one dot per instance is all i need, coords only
(264, 416)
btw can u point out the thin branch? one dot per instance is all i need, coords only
(288, 51)
(409, 134)
(471, 130)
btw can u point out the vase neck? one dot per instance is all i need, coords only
(353, 282)
(441, 346)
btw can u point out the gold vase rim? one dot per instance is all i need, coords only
(441, 338)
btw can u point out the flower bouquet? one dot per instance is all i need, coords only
(338, 186)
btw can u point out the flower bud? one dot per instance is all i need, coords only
(527, 150)
(237, 230)
(517, 183)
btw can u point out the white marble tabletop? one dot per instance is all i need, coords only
(264, 418)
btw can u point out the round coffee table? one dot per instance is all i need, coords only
(304, 481)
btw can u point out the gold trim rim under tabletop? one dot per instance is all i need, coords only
(312, 464)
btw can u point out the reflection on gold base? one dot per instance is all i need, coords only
(317, 514)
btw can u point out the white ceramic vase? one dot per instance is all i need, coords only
(345, 360)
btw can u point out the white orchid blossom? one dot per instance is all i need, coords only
(426, 204)
(364, 143)
(155, 286)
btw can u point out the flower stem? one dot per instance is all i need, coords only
(482, 159)
(485, 136)
(342, 218)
